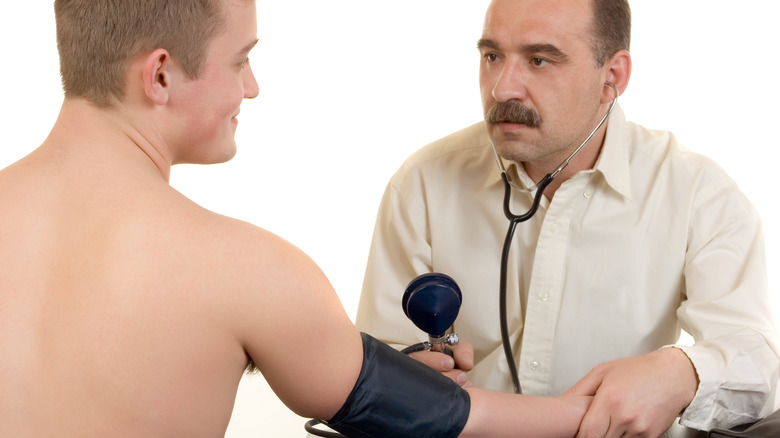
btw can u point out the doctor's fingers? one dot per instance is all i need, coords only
(460, 377)
(595, 424)
(590, 383)
(444, 364)
(613, 423)
(438, 361)
(464, 355)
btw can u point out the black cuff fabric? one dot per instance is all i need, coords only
(396, 396)
(769, 427)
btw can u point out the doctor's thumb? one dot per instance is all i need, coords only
(587, 386)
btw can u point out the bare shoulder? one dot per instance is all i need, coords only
(281, 307)
(227, 247)
(251, 268)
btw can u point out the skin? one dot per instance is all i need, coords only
(536, 52)
(128, 310)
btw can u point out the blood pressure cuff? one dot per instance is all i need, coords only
(769, 427)
(396, 396)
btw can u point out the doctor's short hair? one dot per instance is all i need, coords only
(611, 29)
(97, 39)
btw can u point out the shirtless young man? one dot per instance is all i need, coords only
(128, 310)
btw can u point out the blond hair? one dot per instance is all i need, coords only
(96, 40)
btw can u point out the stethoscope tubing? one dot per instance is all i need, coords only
(513, 221)
(516, 219)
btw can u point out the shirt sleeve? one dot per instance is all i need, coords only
(400, 251)
(726, 310)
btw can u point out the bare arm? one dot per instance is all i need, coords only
(497, 414)
(293, 326)
(297, 333)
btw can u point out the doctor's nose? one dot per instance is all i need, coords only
(510, 84)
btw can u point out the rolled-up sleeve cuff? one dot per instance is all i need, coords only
(717, 403)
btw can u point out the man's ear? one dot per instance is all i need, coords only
(157, 75)
(618, 71)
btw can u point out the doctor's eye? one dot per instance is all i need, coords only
(539, 62)
(490, 57)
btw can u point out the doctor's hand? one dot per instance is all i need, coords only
(637, 396)
(455, 368)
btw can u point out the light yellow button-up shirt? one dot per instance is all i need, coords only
(652, 240)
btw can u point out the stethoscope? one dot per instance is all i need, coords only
(432, 300)
(515, 219)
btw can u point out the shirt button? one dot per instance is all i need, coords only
(586, 195)
(535, 365)
(554, 228)
(544, 295)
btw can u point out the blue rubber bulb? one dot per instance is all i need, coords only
(432, 301)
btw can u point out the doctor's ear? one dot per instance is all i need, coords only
(157, 74)
(618, 72)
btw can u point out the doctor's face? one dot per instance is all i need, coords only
(540, 86)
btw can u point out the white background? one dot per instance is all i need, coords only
(349, 88)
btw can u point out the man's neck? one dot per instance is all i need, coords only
(86, 129)
(584, 160)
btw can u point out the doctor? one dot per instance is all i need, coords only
(635, 240)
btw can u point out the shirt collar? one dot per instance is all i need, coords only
(613, 161)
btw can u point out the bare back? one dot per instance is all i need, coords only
(93, 324)
(125, 309)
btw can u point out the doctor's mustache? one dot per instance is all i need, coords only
(513, 112)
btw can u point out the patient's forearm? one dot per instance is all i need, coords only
(398, 396)
(499, 414)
